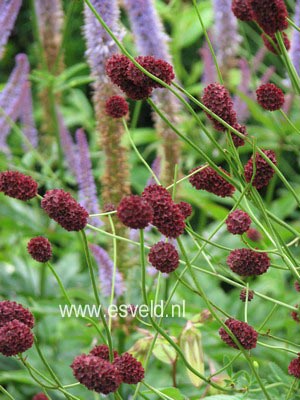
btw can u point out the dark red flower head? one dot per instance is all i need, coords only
(276, 49)
(297, 286)
(238, 141)
(96, 374)
(247, 262)
(264, 172)
(254, 235)
(217, 98)
(244, 333)
(271, 15)
(40, 249)
(131, 370)
(135, 212)
(238, 222)
(208, 179)
(65, 210)
(116, 107)
(102, 351)
(10, 310)
(132, 81)
(167, 216)
(185, 208)
(164, 257)
(17, 185)
(295, 314)
(160, 68)
(40, 396)
(270, 97)
(243, 295)
(294, 367)
(242, 10)
(15, 337)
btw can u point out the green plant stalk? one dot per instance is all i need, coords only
(217, 275)
(6, 393)
(160, 330)
(211, 49)
(96, 294)
(115, 255)
(138, 153)
(214, 314)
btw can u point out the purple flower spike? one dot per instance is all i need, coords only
(11, 97)
(239, 105)
(148, 29)
(209, 70)
(295, 43)
(226, 36)
(87, 187)
(105, 267)
(9, 10)
(68, 146)
(100, 46)
(156, 168)
(26, 117)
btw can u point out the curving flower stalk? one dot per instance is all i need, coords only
(105, 268)
(226, 38)
(100, 47)
(9, 10)
(151, 39)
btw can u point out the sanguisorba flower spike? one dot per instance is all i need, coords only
(64, 209)
(270, 97)
(244, 333)
(263, 173)
(17, 185)
(271, 15)
(208, 179)
(40, 249)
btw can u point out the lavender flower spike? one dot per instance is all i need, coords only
(105, 267)
(151, 39)
(244, 87)
(26, 117)
(148, 29)
(295, 43)
(226, 36)
(87, 187)
(68, 146)
(100, 45)
(11, 97)
(9, 10)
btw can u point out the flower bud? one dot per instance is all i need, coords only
(191, 345)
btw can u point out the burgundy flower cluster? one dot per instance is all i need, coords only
(270, 97)
(238, 222)
(40, 396)
(295, 314)
(17, 185)
(274, 47)
(208, 179)
(217, 98)
(271, 16)
(157, 207)
(294, 367)
(167, 216)
(247, 262)
(64, 209)
(164, 257)
(244, 297)
(254, 235)
(244, 333)
(40, 249)
(263, 171)
(97, 373)
(16, 323)
(132, 81)
(116, 107)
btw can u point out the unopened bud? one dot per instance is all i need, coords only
(191, 345)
